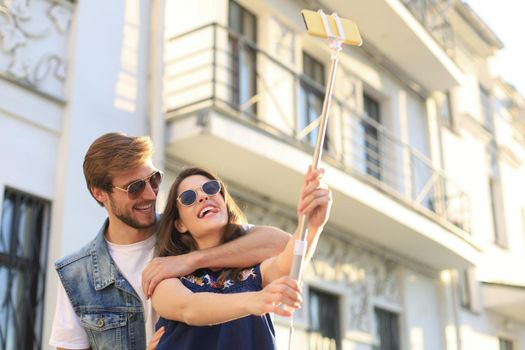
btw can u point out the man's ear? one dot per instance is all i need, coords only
(179, 226)
(99, 194)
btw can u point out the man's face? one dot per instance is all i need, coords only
(136, 210)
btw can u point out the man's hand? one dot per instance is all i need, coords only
(155, 339)
(161, 268)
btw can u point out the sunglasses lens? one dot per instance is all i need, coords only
(155, 180)
(188, 197)
(211, 187)
(136, 187)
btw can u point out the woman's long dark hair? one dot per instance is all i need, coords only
(172, 242)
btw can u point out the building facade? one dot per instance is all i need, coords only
(424, 153)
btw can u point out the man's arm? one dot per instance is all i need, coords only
(261, 243)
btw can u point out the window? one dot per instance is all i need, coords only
(387, 330)
(23, 258)
(311, 97)
(243, 61)
(444, 110)
(371, 135)
(505, 344)
(468, 289)
(324, 321)
(500, 238)
(496, 197)
(464, 289)
(494, 180)
(486, 109)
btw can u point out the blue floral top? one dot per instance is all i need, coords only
(250, 332)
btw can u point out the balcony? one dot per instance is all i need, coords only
(233, 107)
(505, 299)
(389, 25)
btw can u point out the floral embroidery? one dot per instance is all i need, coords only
(213, 281)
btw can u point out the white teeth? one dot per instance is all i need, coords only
(205, 209)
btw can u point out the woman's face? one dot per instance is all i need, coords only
(206, 217)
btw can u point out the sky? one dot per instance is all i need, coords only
(504, 17)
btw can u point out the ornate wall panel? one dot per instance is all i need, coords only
(366, 275)
(33, 43)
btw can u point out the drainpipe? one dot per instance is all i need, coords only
(157, 120)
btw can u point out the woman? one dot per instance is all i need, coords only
(227, 308)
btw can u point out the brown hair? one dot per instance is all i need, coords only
(172, 242)
(111, 153)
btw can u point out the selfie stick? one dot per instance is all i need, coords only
(337, 31)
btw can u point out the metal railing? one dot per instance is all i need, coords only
(208, 67)
(432, 14)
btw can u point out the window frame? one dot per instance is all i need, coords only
(377, 335)
(24, 317)
(311, 88)
(337, 328)
(240, 45)
(444, 110)
(371, 132)
(506, 342)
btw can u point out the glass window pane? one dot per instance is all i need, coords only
(234, 20)
(24, 229)
(23, 259)
(324, 320)
(243, 61)
(486, 109)
(11, 337)
(311, 101)
(445, 110)
(371, 137)
(4, 297)
(505, 344)
(387, 329)
(249, 26)
(7, 224)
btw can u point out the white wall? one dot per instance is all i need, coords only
(422, 314)
(107, 91)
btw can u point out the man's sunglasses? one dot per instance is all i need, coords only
(188, 197)
(136, 188)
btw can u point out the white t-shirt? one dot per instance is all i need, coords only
(131, 259)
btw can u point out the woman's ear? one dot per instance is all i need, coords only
(179, 226)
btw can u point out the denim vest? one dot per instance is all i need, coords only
(110, 310)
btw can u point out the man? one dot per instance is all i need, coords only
(101, 303)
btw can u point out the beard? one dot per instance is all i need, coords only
(127, 217)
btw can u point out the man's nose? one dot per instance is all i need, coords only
(149, 193)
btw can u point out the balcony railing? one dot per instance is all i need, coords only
(212, 67)
(432, 14)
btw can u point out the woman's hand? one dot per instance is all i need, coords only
(155, 339)
(315, 199)
(283, 291)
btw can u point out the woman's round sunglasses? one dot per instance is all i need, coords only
(188, 197)
(135, 188)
